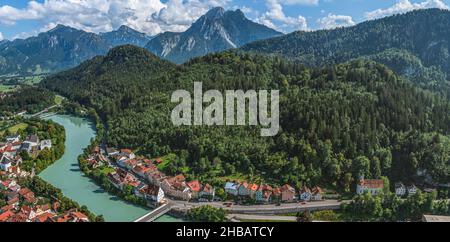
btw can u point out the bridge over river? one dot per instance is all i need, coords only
(155, 214)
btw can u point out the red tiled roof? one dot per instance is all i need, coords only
(6, 215)
(195, 186)
(317, 190)
(375, 184)
(276, 192)
(140, 169)
(253, 187)
(64, 218)
(44, 217)
(286, 187)
(24, 191)
(207, 188)
(13, 201)
(179, 178)
(79, 215)
(7, 207)
(151, 190)
(126, 151)
(19, 218)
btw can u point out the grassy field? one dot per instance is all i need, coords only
(7, 88)
(58, 99)
(106, 170)
(166, 160)
(25, 80)
(13, 129)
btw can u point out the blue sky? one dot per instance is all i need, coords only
(22, 18)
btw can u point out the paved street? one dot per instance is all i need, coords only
(263, 209)
(246, 217)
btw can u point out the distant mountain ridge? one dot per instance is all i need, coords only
(415, 44)
(60, 48)
(126, 35)
(216, 31)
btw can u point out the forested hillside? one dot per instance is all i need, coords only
(30, 99)
(338, 122)
(415, 45)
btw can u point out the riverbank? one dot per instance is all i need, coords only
(66, 175)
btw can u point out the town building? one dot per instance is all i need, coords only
(33, 140)
(373, 187)
(232, 188)
(46, 144)
(400, 189)
(154, 193)
(412, 189)
(207, 193)
(195, 187)
(263, 194)
(287, 193)
(13, 138)
(244, 189)
(316, 194)
(305, 194)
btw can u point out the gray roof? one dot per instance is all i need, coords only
(32, 138)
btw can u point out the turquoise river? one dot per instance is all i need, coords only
(66, 175)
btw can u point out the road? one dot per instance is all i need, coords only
(153, 215)
(269, 209)
(249, 217)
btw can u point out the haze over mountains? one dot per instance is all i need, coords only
(65, 47)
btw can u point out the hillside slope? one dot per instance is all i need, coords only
(337, 123)
(415, 44)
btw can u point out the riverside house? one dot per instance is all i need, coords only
(263, 194)
(287, 193)
(244, 189)
(195, 188)
(400, 189)
(207, 193)
(373, 187)
(316, 194)
(232, 188)
(305, 194)
(153, 193)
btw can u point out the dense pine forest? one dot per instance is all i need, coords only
(415, 45)
(27, 98)
(338, 122)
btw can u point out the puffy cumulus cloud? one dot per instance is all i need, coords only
(276, 18)
(403, 6)
(149, 16)
(178, 15)
(1, 36)
(334, 21)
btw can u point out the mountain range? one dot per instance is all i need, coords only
(415, 45)
(215, 31)
(64, 47)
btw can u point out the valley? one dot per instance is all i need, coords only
(364, 114)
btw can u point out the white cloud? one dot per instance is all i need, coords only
(300, 2)
(1, 36)
(333, 21)
(178, 15)
(403, 6)
(149, 16)
(275, 17)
